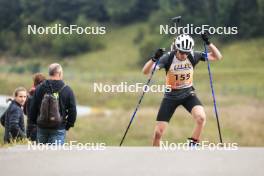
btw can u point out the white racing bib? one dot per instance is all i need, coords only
(180, 74)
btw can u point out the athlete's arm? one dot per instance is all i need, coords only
(214, 53)
(148, 67)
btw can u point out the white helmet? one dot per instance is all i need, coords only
(184, 43)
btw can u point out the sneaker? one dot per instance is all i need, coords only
(193, 142)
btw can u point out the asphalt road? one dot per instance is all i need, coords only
(131, 161)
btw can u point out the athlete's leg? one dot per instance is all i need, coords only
(194, 106)
(199, 116)
(158, 132)
(165, 113)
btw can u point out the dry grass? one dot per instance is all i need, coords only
(241, 123)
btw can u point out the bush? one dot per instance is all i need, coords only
(17, 69)
(66, 45)
(146, 51)
(46, 44)
(139, 37)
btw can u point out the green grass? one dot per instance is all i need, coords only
(239, 73)
(237, 80)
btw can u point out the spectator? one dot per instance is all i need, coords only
(38, 78)
(48, 133)
(14, 117)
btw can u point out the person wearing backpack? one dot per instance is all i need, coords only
(13, 118)
(32, 128)
(179, 66)
(53, 108)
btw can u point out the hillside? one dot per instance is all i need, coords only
(237, 79)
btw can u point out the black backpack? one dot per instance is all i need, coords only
(50, 116)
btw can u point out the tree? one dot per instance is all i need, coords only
(10, 12)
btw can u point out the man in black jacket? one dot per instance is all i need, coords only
(67, 106)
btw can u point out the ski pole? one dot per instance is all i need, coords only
(139, 102)
(213, 94)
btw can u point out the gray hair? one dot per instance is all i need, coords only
(54, 69)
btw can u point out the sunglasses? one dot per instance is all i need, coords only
(182, 52)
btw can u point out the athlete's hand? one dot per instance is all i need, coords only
(159, 52)
(205, 38)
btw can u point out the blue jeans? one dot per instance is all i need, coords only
(51, 136)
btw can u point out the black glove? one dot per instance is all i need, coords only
(205, 38)
(159, 52)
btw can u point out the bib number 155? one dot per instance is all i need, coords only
(182, 77)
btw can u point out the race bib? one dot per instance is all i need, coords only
(180, 74)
